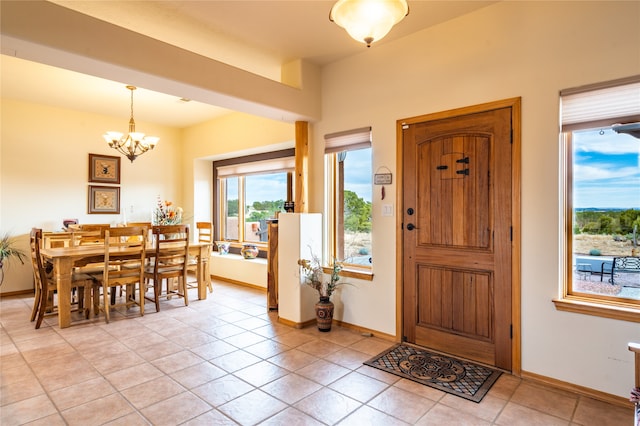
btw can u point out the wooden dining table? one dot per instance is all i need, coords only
(64, 259)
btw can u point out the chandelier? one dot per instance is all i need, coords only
(368, 20)
(133, 143)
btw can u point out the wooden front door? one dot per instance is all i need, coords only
(457, 232)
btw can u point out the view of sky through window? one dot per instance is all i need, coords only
(606, 171)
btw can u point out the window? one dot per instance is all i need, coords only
(349, 189)
(601, 198)
(249, 191)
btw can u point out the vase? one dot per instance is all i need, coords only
(324, 314)
(249, 251)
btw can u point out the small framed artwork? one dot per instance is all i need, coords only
(104, 169)
(104, 199)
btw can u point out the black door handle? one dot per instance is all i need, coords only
(410, 227)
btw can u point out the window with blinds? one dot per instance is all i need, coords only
(348, 162)
(249, 191)
(601, 176)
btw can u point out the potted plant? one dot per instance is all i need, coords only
(313, 276)
(9, 251)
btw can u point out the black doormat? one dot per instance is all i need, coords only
(461, 378)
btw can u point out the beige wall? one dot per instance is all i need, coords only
(527, 49)
(44, 173)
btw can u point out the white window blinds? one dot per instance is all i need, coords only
(275, 165)
(601, 104)
(347, 140)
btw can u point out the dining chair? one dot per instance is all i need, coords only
(44, 303)
(205, 235)
(146, 225)
(124, 262)
(170, 262)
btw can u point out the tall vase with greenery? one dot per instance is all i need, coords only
(313, 276)
(8, 252)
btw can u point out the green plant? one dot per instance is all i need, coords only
(9, 251)
(594, 252)
(313, 274)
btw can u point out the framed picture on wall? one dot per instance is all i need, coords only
(104, 199)
(104, 168)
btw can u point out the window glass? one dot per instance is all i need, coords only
(264, 196)
(230, 203)
(605, 213)
(357, 207)
(349, 207)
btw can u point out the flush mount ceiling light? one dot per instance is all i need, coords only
(133, 143)
(368, 20)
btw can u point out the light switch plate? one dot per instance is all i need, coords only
(387, 210)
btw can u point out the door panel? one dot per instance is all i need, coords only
(457, 267)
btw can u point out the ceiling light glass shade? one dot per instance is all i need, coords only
(368, 20)
(133, 143)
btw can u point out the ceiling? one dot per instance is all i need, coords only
(257, 36)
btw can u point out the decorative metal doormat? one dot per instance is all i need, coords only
(461, 378)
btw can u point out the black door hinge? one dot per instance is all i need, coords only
(511, 331)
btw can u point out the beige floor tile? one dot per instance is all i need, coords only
(266, 349)
(261, 373)
(443, 415)
(176, 410)
(81, 393)
(213, 349)
(127, 377)
(293, 359)
(323, 372)
(197, 375)
(148, 393)
(592, 412)
(17, 391)
(291, 417)
(487, 409)
(401, 404)
(222, 390)
(369, 416)
(372, 346)
(518, 415)
(182, 364)
(358, 386)
(235, 361)
(291, 388)
(348, 358)
(177, 361)
(211, 417)
(252, 408)
(242, 340)
(26, 410)
(327, 406)
(320, 348)
(558, 404)
(98, 411)
(419, 389)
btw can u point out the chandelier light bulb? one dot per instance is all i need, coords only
(133, 143)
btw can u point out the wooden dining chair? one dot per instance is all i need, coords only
(170, 262)
(205, 235)
(146, 225)
(44, 303)
(124, 262)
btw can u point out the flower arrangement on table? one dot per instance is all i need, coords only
(313, 275)
(166, 213)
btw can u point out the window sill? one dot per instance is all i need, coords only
(350, 273)
(619, 311)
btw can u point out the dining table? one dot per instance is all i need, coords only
(65, 259)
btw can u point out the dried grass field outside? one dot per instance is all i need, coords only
(606, 244)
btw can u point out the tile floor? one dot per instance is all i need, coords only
(226, 361)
